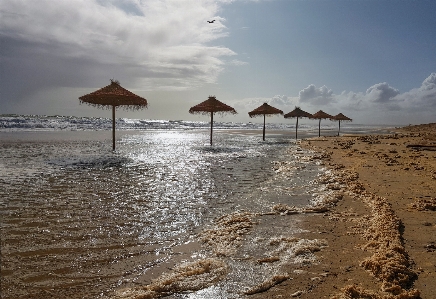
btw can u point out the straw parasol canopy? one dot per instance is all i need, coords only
(340, 117)
(211, 105)
(114, 95)
(297, 112)
(264, 110)
(321, 115)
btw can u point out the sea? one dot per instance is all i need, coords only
(164, 215)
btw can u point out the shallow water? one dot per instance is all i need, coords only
(81, 221)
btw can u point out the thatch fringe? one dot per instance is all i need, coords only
(114, 95)
(212, 105)
(297, 112)
(265, 110)
(108, 107)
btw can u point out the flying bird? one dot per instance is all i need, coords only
(211, 21)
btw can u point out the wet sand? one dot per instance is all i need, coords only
(382, 235)
(165, 213)
(369, 238)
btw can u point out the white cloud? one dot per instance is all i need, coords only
(383, 97)
(313, 95)
(282, 102)
(156, 40)
(429, 83)
(277, 101)
(237, 62)
(380, 102)
(422, 98)
(381, 93)
(351, 101)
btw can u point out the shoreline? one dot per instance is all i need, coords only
(381, 235)
(354, 166)
(138, 193)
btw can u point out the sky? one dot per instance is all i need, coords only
(372, 60)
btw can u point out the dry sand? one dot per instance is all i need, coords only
(382, 234)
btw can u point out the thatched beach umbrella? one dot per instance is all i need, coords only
(340, 117)
(297, 112)
(264, 110)
(211, 105)
(114, 95)
(321, 115)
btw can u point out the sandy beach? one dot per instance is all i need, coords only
(91, 223)
(332, 217)
(382, 234)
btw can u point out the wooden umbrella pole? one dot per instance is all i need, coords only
(211, 127)
(264, 127)
(113, 127)
(296, 129)
(319, 128)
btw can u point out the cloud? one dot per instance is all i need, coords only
(282, 102)
(380, 102)
(382, 97)
(422, 98)
(429, 83)
(237, 62)
(313, 95)
(153, 43)
(381, 93)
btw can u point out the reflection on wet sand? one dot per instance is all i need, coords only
(164, 215)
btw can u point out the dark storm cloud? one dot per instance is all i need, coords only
(49, 44)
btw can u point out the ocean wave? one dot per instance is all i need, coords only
(15, 122)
